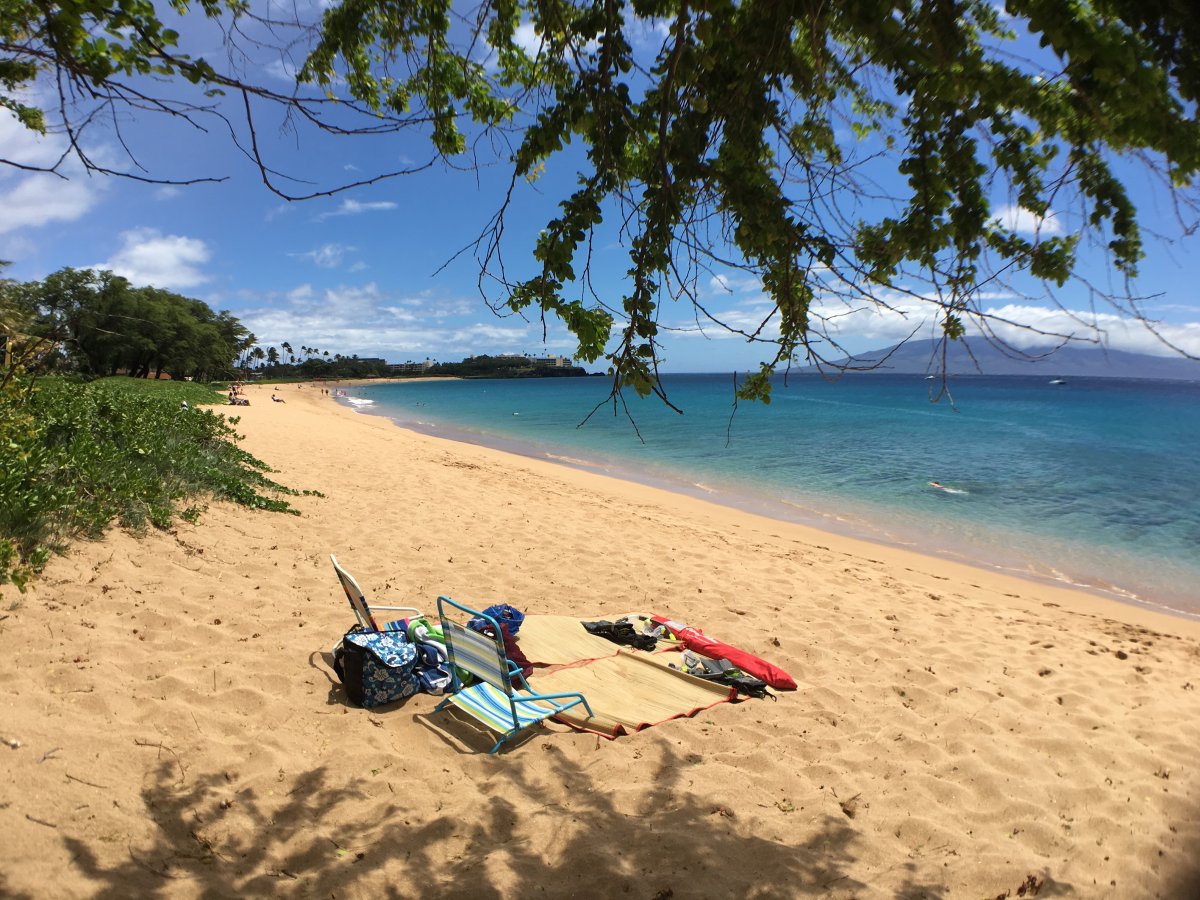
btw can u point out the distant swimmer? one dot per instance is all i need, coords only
(948, 490)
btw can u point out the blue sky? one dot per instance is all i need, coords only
(358, 273)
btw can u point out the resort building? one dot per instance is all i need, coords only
(410, 367)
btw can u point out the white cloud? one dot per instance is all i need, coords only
(530, 41)
(1113, 331)
(40, 199)
(20, 145)
(327, 256)
(281, 209)
(1022, 221)
(356, 207)
(527, 38)
(735, 283)
(867, 325)
(34, 199)
(149, 257)
(370, 321)
(166, 192)
(282, 69)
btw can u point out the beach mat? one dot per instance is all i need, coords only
(561, 641)
(629, 691)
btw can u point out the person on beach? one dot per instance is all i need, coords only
(278, 399)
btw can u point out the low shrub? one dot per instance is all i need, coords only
(78, 457)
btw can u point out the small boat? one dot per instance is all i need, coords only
(1059, 381)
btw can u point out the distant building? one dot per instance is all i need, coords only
(411, 368)
(538, 362)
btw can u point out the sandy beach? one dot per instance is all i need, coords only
(172, 726)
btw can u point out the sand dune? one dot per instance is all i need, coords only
(173, 728)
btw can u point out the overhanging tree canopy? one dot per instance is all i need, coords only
(833, 150)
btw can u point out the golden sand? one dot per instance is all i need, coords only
(172, 726)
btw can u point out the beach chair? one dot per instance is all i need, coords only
(363, 611)
(492, 699)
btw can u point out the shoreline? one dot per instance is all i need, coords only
(173, 726)
(754, 503)
(1091, 600)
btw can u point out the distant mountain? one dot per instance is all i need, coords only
(917, 358)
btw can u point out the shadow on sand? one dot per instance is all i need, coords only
(673, 845)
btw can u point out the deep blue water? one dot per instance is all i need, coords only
(1095, 482)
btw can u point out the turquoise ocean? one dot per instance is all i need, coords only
(1094, 483)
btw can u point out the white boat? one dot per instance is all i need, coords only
(1059, 381)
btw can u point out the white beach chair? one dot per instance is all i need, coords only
(363, 611)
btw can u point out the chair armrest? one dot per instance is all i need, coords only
(517, 677)
(579, 698)
(411, 609)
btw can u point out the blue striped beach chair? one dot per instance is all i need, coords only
(363, 611)
(492, 699)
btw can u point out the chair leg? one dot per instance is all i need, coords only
(441, 705)
(500, 743)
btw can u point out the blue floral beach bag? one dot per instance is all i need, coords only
(376, 667)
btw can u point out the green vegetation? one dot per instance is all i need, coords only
(81, 456)
(502, 367)
(309, 365)
(82, 452)
(171, 392)
(97, 323)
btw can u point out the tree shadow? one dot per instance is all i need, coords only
(671, 844)
(1186, 882)
(915, 888)
(9, 893)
